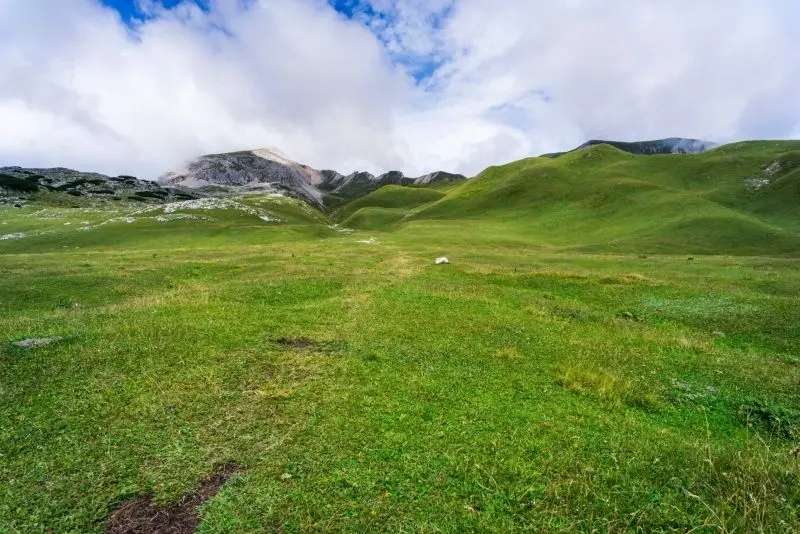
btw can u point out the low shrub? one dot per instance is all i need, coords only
(152, 194)
(23, 185)
(772, 419)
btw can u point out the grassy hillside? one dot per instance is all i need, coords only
(737, 199)
(372, 218)
(391, 196)
(87, 224)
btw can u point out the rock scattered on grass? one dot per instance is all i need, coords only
(33, 343)
(17, 235)
(341, 229)
(218, 204)
(181, 217)
(442, 261)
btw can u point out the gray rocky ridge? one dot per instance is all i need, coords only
(269, 169)
(17, 184)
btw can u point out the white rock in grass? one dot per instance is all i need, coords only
(442, 261)
(32, 343)
(217, 204)
(181, 217)
(341, 229)
(18, 235)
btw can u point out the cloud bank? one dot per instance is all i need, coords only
(416, 85)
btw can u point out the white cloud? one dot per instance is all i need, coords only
(79, 88)
(94, 94)
(560, 73)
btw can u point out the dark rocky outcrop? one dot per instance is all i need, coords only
(20, 183)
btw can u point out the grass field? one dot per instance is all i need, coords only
(537, 383)
(738, 199)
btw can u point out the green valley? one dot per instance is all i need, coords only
(614, 346)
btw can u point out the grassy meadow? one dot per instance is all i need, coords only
(540, 382)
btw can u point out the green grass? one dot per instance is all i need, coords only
(399, 199)
(604, 199)
(542, 381)
(372, 218)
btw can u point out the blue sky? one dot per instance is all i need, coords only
(420, 66)
(129, 9)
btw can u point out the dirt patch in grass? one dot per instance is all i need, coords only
(295, 342)
(142, 516)
(311, 345)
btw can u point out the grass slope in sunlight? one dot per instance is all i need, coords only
(385, 206)
(738, 199)
(359, 387)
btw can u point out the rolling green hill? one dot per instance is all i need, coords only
(741, 199)
(391, 196)
(44, 225)
(387, 205)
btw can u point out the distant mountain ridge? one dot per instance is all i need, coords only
(254, 170)
(670, 145)
(267, 170)
(18, 183)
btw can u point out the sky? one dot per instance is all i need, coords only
(141, 86)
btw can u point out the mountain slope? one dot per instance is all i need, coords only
(268, 169)
(19, 184)
(359, 184)
(390, 197)
(671, 145)
(255, 170)
(736, 199)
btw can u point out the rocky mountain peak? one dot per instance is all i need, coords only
(268, 168)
